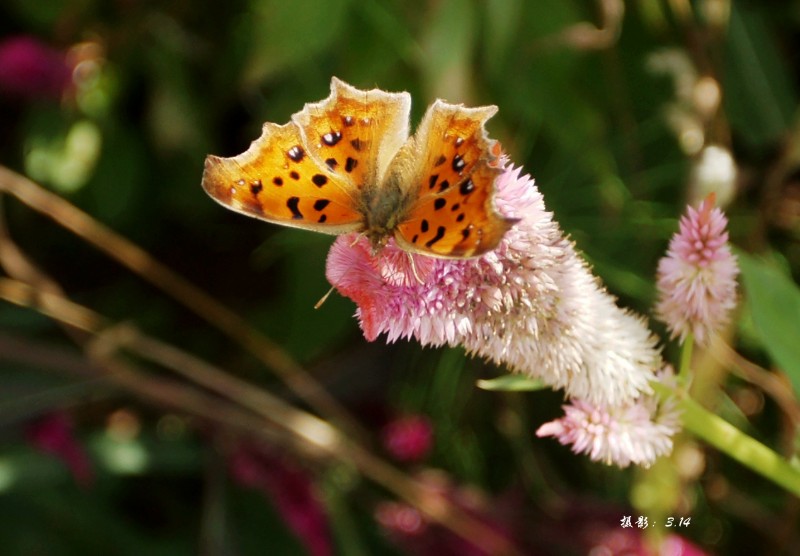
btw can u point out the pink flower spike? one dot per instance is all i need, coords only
(532, 304)
(638, 433)
(697, 277)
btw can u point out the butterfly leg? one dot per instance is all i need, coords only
(414, 268)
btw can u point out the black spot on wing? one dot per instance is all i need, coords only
(332, 138)
(296, 153)
(439, 235)
(458, 163)
(292, 204)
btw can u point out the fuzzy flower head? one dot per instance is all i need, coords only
(532, 304)
(638, 432)
(697, 277)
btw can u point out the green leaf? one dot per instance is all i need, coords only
(774, 302)
(512, 383)
(760, 99)
(287, 34)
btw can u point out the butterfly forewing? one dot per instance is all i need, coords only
(354, 133)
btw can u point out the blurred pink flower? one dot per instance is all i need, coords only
(54, 434)
(31, 69)
(614, 541)
(697, 277)
(639, 432)
(291, 491)
(400, 519)
(531, 304)
(408, 438)
(413, 533)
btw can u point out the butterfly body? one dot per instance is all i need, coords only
(347, 164)
(383, 205)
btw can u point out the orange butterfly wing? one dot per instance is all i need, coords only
(356, 133)
(308, 173)
(276, 181)
(454, 214)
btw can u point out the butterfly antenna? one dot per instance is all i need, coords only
(324, 298)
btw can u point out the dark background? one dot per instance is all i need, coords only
(150, 88)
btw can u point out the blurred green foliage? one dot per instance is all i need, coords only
(611, 139)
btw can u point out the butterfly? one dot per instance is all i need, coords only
(347, 164)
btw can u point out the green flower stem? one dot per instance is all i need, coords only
(728, 439)
(686, 359)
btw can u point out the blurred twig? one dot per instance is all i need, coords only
(588, 36)
(162, 392)
(775, 386)
(310, 434)
(192, 297)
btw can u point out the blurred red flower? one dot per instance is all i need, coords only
(54, 434)
(31, 69)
